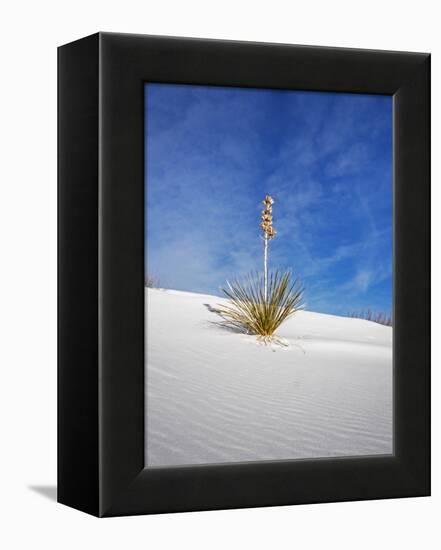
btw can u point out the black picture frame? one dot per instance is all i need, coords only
(101, 274)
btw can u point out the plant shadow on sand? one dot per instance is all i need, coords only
(223, 324)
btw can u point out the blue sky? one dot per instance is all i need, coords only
(212, 153)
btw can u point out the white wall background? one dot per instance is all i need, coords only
(30, 33)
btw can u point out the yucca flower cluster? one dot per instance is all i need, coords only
(267, 218)
(268, 233)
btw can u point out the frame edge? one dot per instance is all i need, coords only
(78, 467)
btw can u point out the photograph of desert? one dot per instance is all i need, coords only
(268, 275)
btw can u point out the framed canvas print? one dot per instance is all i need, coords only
(244, 274)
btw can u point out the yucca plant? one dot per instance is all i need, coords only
(262, 303)
(253, 312)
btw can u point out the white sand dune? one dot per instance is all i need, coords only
(217, 396)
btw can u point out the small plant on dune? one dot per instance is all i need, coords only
(150, 282)
(262, 303)
(374, 316)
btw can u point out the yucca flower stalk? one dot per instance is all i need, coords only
(268, 233)
(260, 304)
